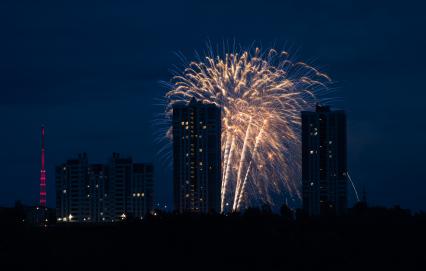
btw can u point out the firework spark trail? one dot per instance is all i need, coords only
(241, 164)
(353, 186)
(225, 158)
(261, 94)
(228, 152)
(226, 176)
(256, 144)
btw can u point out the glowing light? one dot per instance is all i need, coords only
(261, 94)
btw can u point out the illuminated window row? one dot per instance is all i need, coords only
(138, 194)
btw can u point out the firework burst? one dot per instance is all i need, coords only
(261, 94)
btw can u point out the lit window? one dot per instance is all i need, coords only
(64, 191)
(311, 152)
(312, 184)
(204, 127)
(330, 142)
(138, 194)
(201, 150)
(142, 194)
(183, 123)
(187, 196)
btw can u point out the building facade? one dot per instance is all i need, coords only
(72, 195)
(324, 161)
(119, 184)
(196, 157)
(103, 193)
(98, 192)
(142, 187)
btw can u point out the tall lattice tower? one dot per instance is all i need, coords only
(42, 173)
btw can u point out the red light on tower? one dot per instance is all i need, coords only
(42, 173)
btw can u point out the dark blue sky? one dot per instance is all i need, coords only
(90, 71)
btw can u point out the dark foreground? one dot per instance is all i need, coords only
(382, 240)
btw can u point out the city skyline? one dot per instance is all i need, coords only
(111, 192)
(92, 76)
(215, 134)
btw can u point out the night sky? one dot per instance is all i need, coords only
(91, 70)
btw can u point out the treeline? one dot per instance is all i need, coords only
(256, 239)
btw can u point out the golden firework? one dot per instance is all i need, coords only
(261, 94)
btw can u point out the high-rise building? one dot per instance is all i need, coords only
(98, 192)
(142, 187)
(120, 178)
(196, 157)
(72, 193)
(324, 165)
(103, 193)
